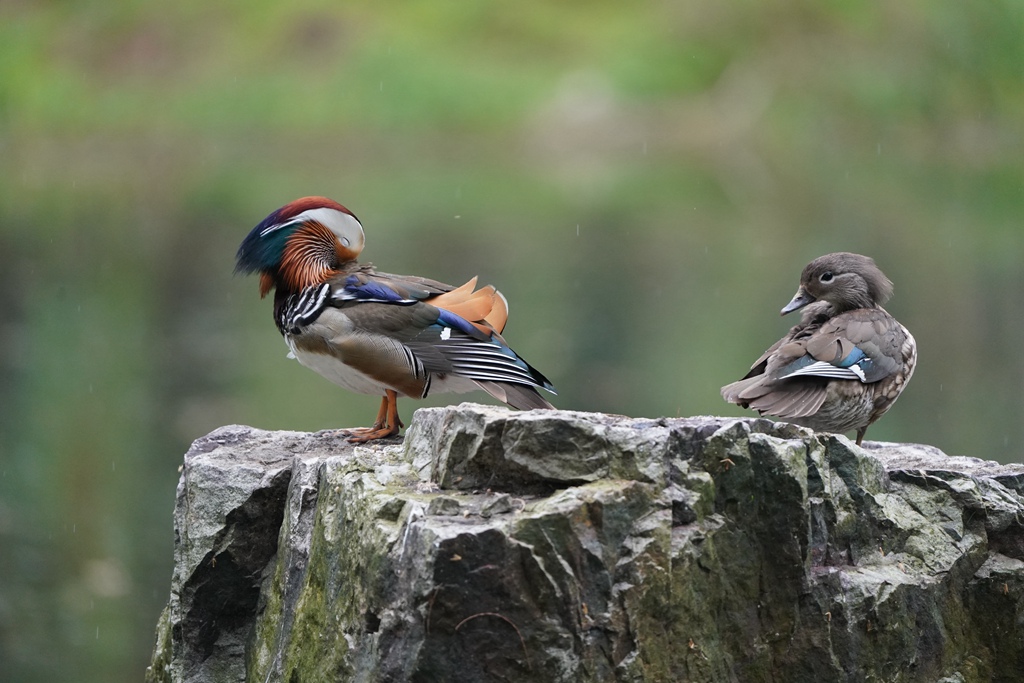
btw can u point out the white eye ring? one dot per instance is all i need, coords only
(826, 277)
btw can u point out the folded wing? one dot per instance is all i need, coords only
(791, 379)
(416, 335)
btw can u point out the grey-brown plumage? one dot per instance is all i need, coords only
(846, 362)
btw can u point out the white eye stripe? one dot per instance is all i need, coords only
(345, 226)
(277, 226)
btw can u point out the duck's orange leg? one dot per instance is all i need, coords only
(387, 423)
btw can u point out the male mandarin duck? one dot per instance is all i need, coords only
(377, 333)
(846, 362)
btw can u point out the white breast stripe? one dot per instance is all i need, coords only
(304, 308)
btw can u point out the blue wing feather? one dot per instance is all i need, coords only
(852, 358)
(356, 289)
(449, 319)
(801, 366)
(855, 365)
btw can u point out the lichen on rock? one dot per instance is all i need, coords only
(562, 546)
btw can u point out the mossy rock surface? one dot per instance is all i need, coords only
(561, 546)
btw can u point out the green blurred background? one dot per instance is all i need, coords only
(644, 181)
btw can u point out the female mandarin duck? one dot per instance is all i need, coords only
(846, 362)
(377, 333)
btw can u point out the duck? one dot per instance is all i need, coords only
(379, 333)
(843, 366)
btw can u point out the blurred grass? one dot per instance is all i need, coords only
(643, 182)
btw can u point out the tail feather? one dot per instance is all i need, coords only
(785, 400)
(518, 396)
(733, 393)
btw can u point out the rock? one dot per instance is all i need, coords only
(564, 546)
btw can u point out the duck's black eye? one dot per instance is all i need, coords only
(826, 276)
